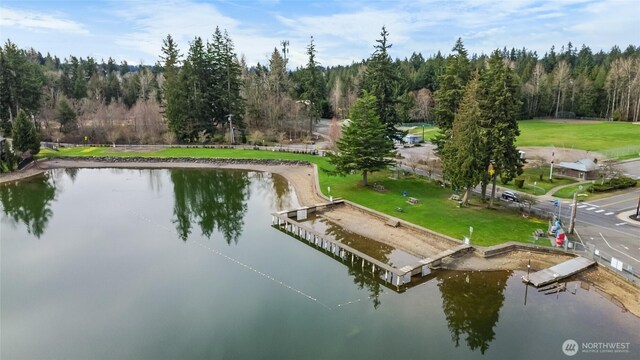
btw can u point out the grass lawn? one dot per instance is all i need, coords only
(532, 183)
(567, 193)
(429, 132)
(434, 211)
(614, 139)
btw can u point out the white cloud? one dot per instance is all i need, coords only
(37, 21)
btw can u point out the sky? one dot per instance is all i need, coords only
(344, 31)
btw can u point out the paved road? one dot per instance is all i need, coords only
(631, 168)
(600, 222)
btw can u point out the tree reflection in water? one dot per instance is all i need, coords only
(29, 203)
(471, 302)
(364, 278)
(276, 188)
(211, 199)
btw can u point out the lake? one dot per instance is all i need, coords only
(155, 264)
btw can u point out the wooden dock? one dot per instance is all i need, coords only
(558, 272)
(391, 275)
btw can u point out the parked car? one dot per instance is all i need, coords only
(510, 196)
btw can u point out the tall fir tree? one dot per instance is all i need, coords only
(364, 146)
(21, 82)
(382, 81)
(173, 101)
(451, 89)
(25, 135)
(66, 117)
(313, 86)
(500, 104)
(463, 155)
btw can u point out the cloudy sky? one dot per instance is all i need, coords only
(344, 30)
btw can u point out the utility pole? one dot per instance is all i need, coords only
(572, 222)
(553, 154)
(638, 209)
(231, 136)
(574, 209)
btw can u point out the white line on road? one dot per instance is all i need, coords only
(609, 213)
(621, 252)
(591, 208)
(599, 211)
(622, 223)
(582, 206)
(626, 248)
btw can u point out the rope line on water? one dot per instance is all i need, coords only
(248, 267)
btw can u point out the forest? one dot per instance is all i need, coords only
(211, 95)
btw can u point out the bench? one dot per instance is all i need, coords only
(413, 201)
(392, 223)
(378, 187)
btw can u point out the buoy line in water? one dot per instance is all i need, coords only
(266, 276)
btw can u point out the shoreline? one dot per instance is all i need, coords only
(303, 178)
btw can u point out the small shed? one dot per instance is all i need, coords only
(585, 169)
(412, 139)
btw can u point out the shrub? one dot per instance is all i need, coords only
(519, 183)
(616, 183)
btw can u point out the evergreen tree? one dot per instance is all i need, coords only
(79, 80)
(25, 135)
(66, 117)
(463, 156)
(364, 145)
(500, 104)
(381, 80)
(173, 98)
(313, 86)
(450, 92)
(21, 82)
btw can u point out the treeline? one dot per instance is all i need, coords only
(212, 95)
(77, 97)
(570, 83)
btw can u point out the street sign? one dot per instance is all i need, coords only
(556, 202)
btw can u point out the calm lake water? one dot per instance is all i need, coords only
(155, 264)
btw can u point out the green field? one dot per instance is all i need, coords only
(614, 139)
(434, 211)
(618, 140)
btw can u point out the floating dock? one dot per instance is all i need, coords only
(391, 275)
(558, 272)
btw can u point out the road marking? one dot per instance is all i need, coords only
(622, 223)
(609, 213)
(582, 206)
(626, 248)
(594, 205)
(617, 202)
(606, 242)
(591, 208)
(599, 211)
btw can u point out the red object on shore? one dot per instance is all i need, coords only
(560, 239)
